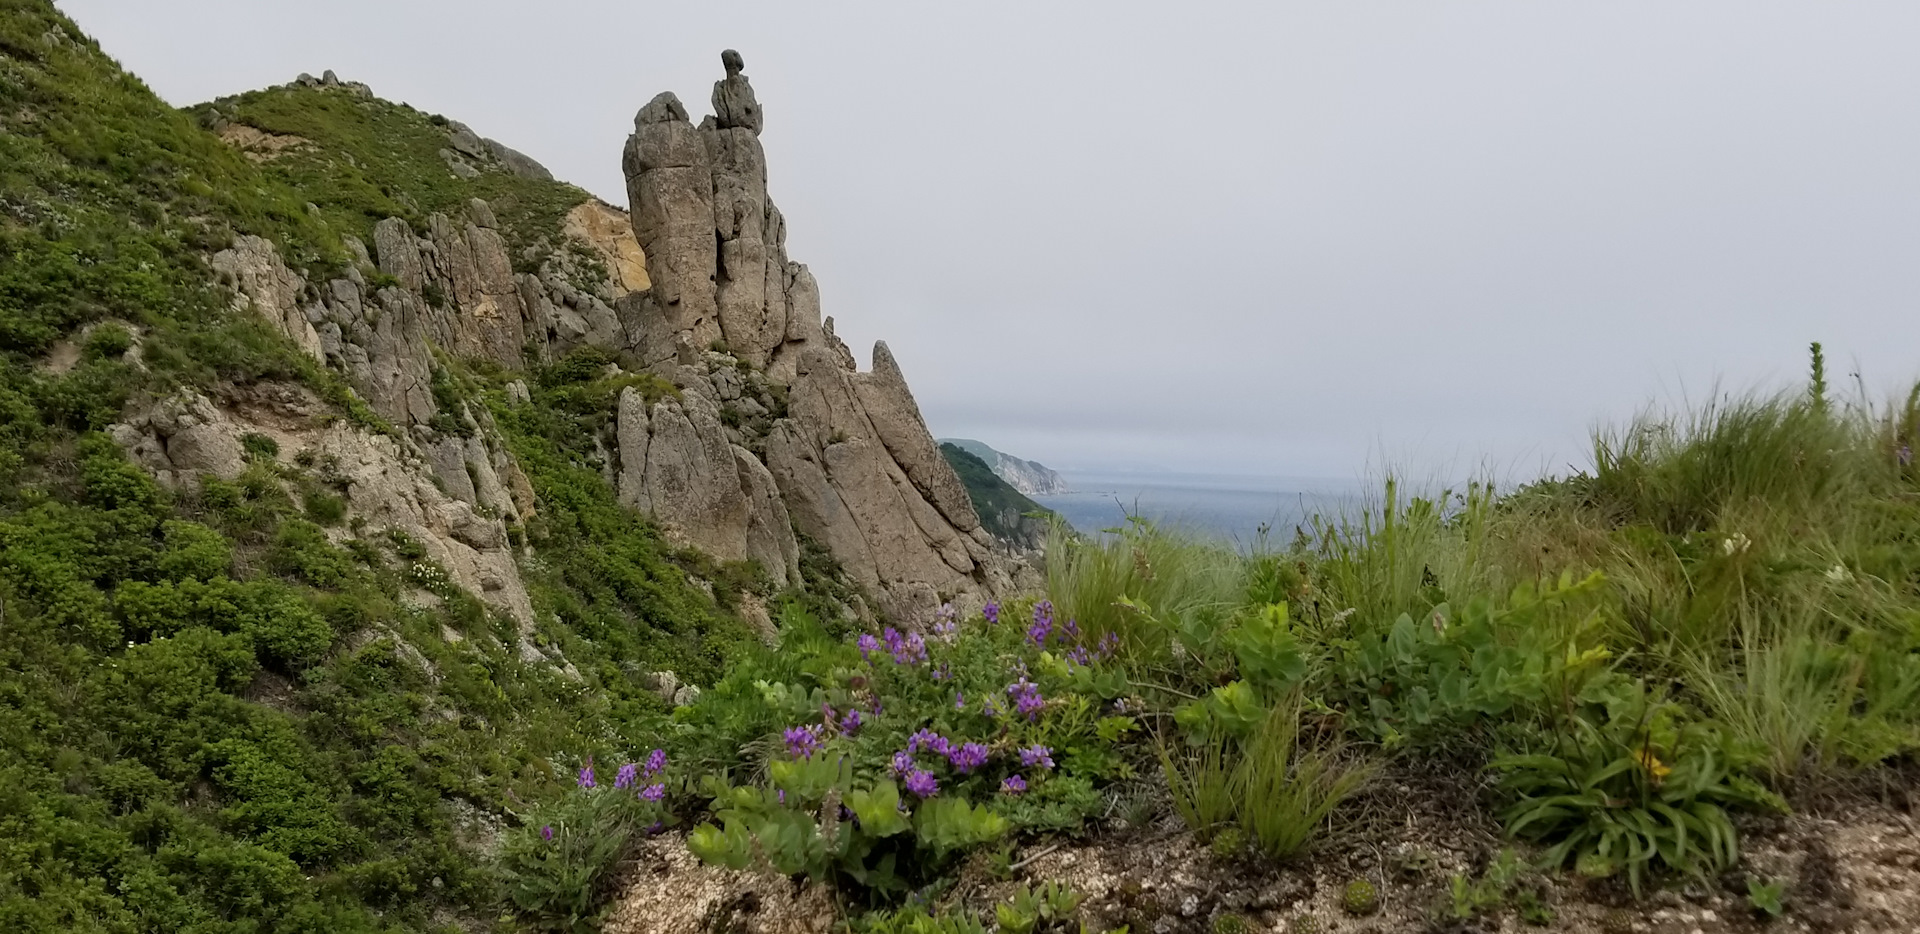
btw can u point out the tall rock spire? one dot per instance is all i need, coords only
(851, 460)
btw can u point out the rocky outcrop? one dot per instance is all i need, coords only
(260, 280)
(188, 436)
(677, 465)
(770, 427)
(850, 457)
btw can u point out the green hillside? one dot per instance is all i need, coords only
(213, 718)
(1005, 511)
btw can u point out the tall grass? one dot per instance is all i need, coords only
(1281, 792)
(1134, 583)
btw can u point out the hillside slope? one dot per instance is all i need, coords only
(1004, 510)
(370, 597)
(1030, 478)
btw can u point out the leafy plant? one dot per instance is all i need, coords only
(1639, 790)
(1766, 897)
(557, 868)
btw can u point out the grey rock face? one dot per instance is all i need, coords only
(517, 162)
(734, 105)
(463, 140)
(677, 465)
(670, 191)
(852, 462)
(261, 280)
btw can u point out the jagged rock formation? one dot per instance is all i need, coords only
(771, 429)
(387, 486)
(852, 460)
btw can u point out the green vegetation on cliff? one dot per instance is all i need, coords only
(225, 709)
(1005, 511)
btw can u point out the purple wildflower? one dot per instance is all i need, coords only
(967, 757)
(946, 622)
(991, 709)
(929, 740)
(655, 828)
(1108, 644)
(1026, 698)
(654, 792)
(868, 645)
(546, 833)
(1013, 785)
(780, 795)
(1037, 756)
(942, 673)
(586, 776)
(991, 611)
(656, 760)
(1042, 627)
(902, 762)
(1078, 655)
(623, 779)
(959, 700)
(922, 784)
(802, 741)
(1073, 630)
(849, 723)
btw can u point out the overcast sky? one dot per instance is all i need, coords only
(1284, 238)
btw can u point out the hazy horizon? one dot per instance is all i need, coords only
(1295, 239)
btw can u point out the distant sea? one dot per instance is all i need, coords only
(1232, 507)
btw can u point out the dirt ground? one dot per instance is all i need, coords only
(1850, 866)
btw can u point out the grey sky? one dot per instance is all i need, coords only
(1298, 238)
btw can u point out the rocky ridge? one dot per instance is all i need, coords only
(770, 428)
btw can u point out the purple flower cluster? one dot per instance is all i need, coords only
(1026, 698)
(1037, 756)
(964, 757)
(1109, 643)
(1042, 628)
(968, 757)
(868, 645)
(991, 611)
(910, 649)
(586, 775)
(1013, 785)
(546, 833)
(802, 741)
(1078, 655)
(929, 740)
(922, 783)
(631, 774)
(850, 722)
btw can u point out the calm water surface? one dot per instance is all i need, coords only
(1228, 506)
